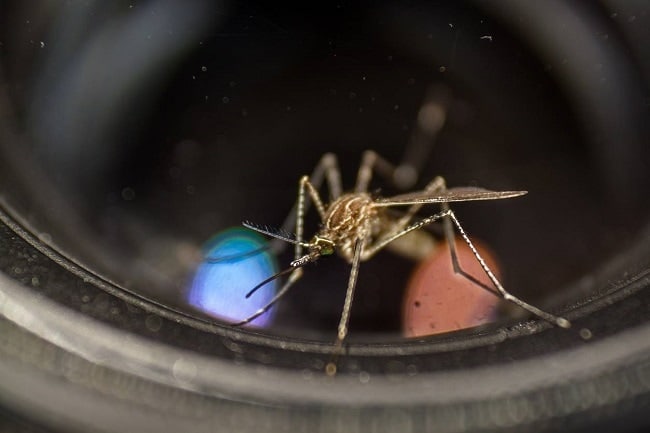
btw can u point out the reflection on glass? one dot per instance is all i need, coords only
(235, 261)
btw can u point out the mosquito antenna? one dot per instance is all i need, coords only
(274, 232)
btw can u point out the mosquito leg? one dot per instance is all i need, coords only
(400, 228)
(304, 185)
(436, 185)
(380, 244)
(300, 218)
(372, 162)
(397, 226)
(330, 368)
(327, 169)
(448, 213)
(449, 234)
(333, 175)
(448, 229)
(401, 176)
(305, 190)
(431, 118)
(559, 321)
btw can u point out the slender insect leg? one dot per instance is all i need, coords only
(333, 175)
(431, 118)
(372, 162)
(304, 185)
(305, 189)
(330, 368)
(437, 184)
(326, 169)
(448, 229)
(296, 273)
(380, 244)
(559, 321)
(449, 235)
(329, 165)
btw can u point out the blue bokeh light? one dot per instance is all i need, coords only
(236, 260)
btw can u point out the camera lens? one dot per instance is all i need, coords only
(136, 137)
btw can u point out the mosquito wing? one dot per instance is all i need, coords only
(468, 193)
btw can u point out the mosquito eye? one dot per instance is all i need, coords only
(235, 260)
(327, 250)
(326, 247)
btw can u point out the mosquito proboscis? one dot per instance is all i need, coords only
(356, 226)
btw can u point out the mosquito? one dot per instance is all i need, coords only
(357, 226)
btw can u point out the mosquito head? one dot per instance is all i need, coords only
(318, 246)
(322, 246)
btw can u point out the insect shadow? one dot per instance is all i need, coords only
(357, 226)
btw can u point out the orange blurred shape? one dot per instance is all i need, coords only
(438, 300)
